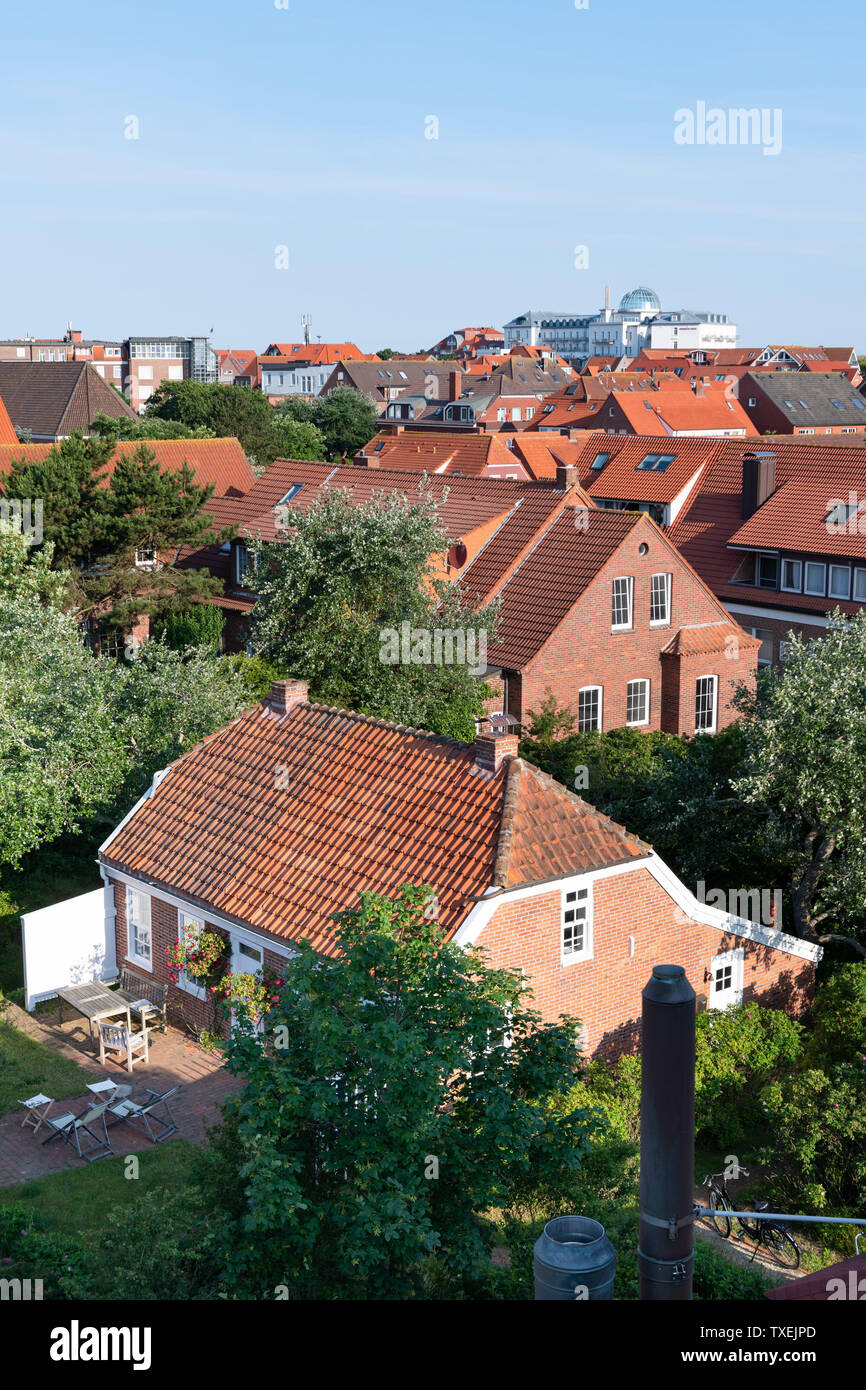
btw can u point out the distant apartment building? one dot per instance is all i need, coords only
(301, 369)
(638, 323)
(109, 358)
(136, 366)
(153, 360)
(806, 403)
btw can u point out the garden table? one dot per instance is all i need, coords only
(94, 1001)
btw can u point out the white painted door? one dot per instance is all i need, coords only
(726, 979)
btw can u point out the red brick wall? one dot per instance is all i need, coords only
(605, 992)
(781, 628)
(584, 651)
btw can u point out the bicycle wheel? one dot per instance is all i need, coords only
(719, 1209)
(782, 1246)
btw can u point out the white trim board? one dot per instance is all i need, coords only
(242, 933)
(794, 615)
(724, 922)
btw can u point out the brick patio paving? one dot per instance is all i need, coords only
(174, 1060)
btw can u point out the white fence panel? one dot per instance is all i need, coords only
(68, 943)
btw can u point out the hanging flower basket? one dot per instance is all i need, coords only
(256, 993)
(196, 955)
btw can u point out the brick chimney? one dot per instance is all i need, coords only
(455, 385)
(700, 389)
(494, 749)
(284, 695)
(566, 476)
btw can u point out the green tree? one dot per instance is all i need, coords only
(401, 1090)
(97, 525)
(346, 419)
(26, 572)
(149, 427)
(298, 439)
(225, 410)
(333, 595)
(804, 766)
(61, 754)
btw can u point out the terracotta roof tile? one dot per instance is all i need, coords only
(368, 806)
(218, 461)
(7, 429)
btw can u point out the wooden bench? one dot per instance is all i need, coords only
(133, 987)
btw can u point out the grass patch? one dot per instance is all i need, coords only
(28, 1066)
(74, 1204)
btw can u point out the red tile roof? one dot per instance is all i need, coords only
(705, 639)
(808, 476)
(7, 430)
(218, 461)
(550, 579)
(673, 410)
(369, 806)
(435, 451)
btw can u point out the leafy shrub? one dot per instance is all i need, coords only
(737, 1052)
(611, 1089)
(158, 1246)
(28, 1252)
(839, 1032)
(257, 674)
(717, 1279)
(200, 627)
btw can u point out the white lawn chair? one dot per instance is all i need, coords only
(115, 1037)
(74, 1131)
(141, 1115)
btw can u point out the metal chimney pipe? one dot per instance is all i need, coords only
(667, 1122)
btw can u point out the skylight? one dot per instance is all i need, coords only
(599, 461)
(839, 405)
(292, 492)
(655, 463)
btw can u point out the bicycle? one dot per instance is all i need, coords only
(774, 1236)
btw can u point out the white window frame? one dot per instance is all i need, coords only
(840, 569)
(576, 886)
(862, 599)
(816, 564)
(585, 690)
(792, 588)
(727, 998)
(628, 579)
(636, 723)
(184, 920)
(666, 620)
(710, 728)
(134, 925)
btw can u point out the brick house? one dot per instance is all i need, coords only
(601, 609)
(805, 403)
(279, 820)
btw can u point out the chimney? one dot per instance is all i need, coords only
(700, 389)
(362, 459)
(566, 476)
(759, 482)
(284, 695)
(494, 749)
(455, 385)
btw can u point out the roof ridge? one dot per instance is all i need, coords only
(373, 720)
(586, 806)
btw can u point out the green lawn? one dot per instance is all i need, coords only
(73, 1205)
(27, 1067)
(73, 1202)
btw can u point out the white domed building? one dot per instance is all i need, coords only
(639, 322)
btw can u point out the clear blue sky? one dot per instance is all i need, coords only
(304, 127)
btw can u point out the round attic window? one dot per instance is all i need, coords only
(642, 548)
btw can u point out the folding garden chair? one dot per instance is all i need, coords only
(74, 1129)
(142, 1116)
(35, 1111)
